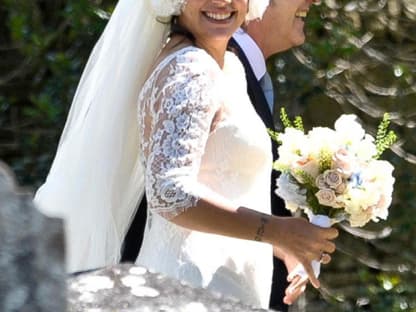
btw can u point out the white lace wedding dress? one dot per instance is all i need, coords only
(201, 137)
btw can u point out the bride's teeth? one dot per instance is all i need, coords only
(217, 16)
(301, 14)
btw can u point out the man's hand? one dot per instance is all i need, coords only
(296, 288)
(297, 284)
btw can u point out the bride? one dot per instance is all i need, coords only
(181, 128)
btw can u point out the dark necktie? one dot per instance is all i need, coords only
(267, 86)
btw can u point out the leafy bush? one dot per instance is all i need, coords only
(44, 48)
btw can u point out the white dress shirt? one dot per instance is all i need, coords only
(257, 62)
(252, 52)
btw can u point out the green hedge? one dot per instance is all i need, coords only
(360, 58)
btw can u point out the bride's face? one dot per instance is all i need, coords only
(213, 19)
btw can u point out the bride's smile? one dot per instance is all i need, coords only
(212, 21)
(218, 16)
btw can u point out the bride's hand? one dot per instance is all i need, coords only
(304, 241)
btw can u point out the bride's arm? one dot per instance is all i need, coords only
(296, 236)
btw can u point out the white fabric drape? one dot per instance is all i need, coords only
(96, 181)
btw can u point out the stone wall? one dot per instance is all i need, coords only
(32, 273)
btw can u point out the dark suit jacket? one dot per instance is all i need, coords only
(134, 236)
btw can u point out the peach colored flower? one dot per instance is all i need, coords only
(326, 197)
(308, 166)
(340, 189)
(343, 162)
(333, 178)
(320, 182)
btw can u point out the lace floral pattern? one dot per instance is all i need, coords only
(175, 114)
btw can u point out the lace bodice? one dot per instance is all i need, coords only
(201, 138)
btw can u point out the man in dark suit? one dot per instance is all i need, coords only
(280, 29)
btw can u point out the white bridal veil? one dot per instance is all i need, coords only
(96, 181)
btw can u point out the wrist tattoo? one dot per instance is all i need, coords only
(260, 231)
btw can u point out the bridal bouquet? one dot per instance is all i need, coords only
(335, 174)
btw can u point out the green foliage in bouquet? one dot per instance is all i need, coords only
(325, 160)
(385, 138)
(297, 123)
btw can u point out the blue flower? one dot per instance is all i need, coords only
(356, 179)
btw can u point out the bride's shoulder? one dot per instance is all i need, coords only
(186, 61)
(191, 57)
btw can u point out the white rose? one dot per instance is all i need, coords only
(359, 203)
(365, 149)
(380, 171)
(321, 138)
(378, 174)
(381, 209)
(294, 147)
(348, 129)
(360, 219)
(370, 198)
(361, 198)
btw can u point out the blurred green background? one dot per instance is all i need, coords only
(360, 57)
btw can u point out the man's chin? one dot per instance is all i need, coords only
(298, 41)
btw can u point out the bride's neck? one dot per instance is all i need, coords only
(179, 41)
(215, 49)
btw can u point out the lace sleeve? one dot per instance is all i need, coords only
(176, 121)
